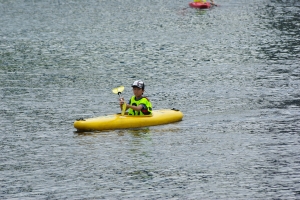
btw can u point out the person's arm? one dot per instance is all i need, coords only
(136, 108)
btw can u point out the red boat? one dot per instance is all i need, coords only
(200, 5)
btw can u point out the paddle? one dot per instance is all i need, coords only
(213, 3)
(119, 91)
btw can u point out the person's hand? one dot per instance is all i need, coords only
(122, 101)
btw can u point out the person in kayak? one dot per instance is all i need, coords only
(138, 104)
(204, 1)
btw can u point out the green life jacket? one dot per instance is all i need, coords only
(143, 100)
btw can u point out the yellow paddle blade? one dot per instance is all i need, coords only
(118, 89)
(123, 108)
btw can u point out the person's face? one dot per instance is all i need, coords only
(137, 91)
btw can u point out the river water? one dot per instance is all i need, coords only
(232, 70)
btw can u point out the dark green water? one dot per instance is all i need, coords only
(232, 70)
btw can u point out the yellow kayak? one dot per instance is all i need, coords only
(117, 121)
